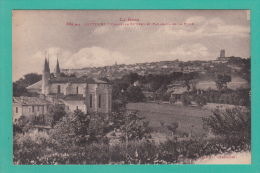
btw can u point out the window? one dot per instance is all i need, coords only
(43, 109)
(38, 108)
(77, 107)
(77, 90)
(16, 109)
(99, 101)
(32, 108)
(29, 109)
(58, 89)
(90, 101)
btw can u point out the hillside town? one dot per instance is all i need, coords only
(161, 67)
(130, 94)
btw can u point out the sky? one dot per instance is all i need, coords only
(171, 34)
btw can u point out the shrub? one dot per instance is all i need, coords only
(56, 112)
(133, 128)
(234, 122)
(185, 99)
(200, 100)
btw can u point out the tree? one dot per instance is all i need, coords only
(173, 127)
(133, 128)
(29, 79)
(134, 94)
(56, 112)
(200, 100)
(222, 80)
(160, 92)
(234, 122)
(130, 78)
(18, 90)
(19, 87)
(81, 124)
(73, 130)
(185, 99)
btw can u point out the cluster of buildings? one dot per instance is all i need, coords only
(117, 71)
(162, 67)
(88, 94)
(223, 59)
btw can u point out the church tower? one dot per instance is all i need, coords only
(57, 69)
(45, 77)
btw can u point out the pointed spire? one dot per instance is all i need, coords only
(57, 70)
(45, 67)
(48, 62)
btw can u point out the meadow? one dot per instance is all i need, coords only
(189, 118)
(234, 84)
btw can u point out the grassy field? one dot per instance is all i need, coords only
(234, 84)
(189, 118)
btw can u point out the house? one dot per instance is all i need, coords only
(178, 92)
(88, 94)
(35, 109)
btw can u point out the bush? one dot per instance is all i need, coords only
(185, 99)
(141, 152)
(56, 112)
(200, 100)
(234, 122)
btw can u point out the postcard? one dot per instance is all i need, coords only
(131, 87)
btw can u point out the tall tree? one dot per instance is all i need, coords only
(134, 94)
(222, 80)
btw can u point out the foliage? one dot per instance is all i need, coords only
(160, 93)
(240, 96)
(185, 99)
(200, 100)
(134, 94)
(80, 129)
(222, 80)
(18, 90)
(173, 127)
(17, 129)
(133, 128)
(19, 87)
(41, 150)
(235, 122)
(56, 112)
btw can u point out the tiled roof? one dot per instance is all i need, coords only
(76, 80)
(37, 85)
(74, 97)
(30, 101)
(99, 81)
(179, 90)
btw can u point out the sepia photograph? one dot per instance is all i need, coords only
(94, 87)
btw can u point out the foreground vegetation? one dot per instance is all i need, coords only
(43, 151)
(82, 139)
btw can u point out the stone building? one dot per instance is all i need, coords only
(88, 94)
(35, 109)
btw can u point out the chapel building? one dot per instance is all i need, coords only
(88, 94)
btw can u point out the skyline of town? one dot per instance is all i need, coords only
(35, 32)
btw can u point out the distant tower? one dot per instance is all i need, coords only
(45, 77)
(222, 53)
(57, 69)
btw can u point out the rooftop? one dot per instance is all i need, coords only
(37, 85)
(77, 80)
(30, 101)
